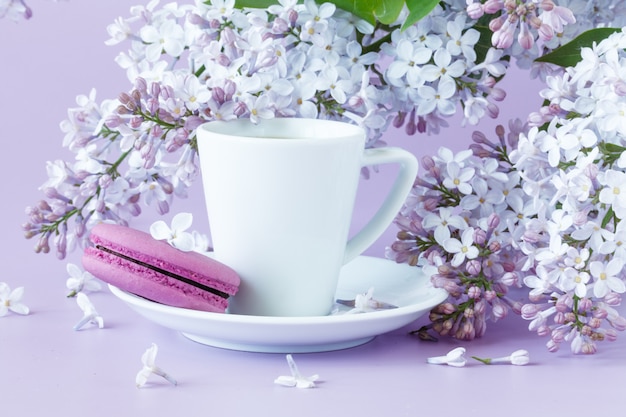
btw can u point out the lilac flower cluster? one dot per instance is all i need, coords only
(198, 62)
(559, 196)
(450, 227)
(573, 168)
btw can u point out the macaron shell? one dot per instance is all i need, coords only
(145, 282)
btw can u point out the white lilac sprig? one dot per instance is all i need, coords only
(80, 281)
(11, 300)
(148, 359)
(193, 63)
(519, 357)
(296, 379)
(573, 170)
(455, 358)
(459, 222)
(90, 314)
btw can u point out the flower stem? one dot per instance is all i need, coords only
(486, 361)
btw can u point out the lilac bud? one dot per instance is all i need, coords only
(240, 109)
(480, 236)
(493, 110)
(112, 121)
(292, 16)
(218, 95)
(499, 309)
(105, 181)
(223, 60)
(215, 24)
(479, 137)
(613, 299)
(495, 246)
(552, 346)
(497, 94)
(493, 6)
(473, 292)
(163, 207)
(490, 295)
(134, 209)
(43, 245)
(135, 122)
(141, 85)
(479, 151)
(421, 124)
(411, 128)
(585, 304)
(595, 323)
(153, 105)
(399, 119)
(428, 162)
(509, 279)
(473, 268)
(543, 330)
(475, 11)
(619, 323)
(610, 335)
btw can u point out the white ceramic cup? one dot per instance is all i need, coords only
(280, 196)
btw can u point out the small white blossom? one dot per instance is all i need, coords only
(90, 315)
(519, 357)
(456, 358)
(296, 379)
(607, 277)
(149, 367)
(463, 248)
(80, 281)
(365, 303)
(176, 235)
(11, 300)
(458, 177)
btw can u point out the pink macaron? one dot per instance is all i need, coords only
(133, 261)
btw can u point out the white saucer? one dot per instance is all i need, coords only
(399, 284)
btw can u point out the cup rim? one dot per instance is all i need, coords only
(316, 129)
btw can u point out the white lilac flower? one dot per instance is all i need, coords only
(296, 379)
(439, 98)
(11, 300)
(614, 191)
(442, 221)
(573, 279)
(458, 177)
(175, 235)
(90, 315)
(148, 359)
(461, 249)
(168, 37)
(456, 358)
(519, 357)
(80, 281)
(607, 277)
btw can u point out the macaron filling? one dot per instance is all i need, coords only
(164, 272)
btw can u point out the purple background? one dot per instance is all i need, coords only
(46, 366)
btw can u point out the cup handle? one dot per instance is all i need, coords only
(393, 202)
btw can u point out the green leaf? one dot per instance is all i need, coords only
(568, 55)
(384, 11)
(388, 11)
(418, 9)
